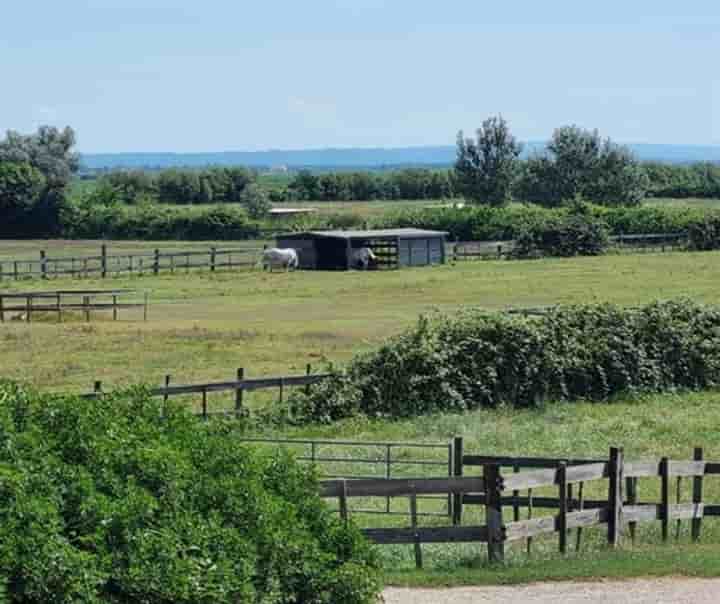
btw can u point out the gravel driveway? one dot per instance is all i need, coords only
(640, 591)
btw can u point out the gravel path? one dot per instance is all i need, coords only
(640, 591)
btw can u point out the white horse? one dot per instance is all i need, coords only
(363, 257)
(286, 258)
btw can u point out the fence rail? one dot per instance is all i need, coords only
(26, 304)
(239, 385)
(619, 513)
(499, 250)
(105, 264)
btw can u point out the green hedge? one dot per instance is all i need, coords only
(104, 501)
(475, 359)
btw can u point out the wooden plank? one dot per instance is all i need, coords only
(249, 384)
(525, 462)
(697, 496)
(712, 467)
(587, 472)
(686, 468)
(529, 528)
(585, 518)
(651, 512)
(642, 469)
(530, 480)
(382, 487)
(448, 534)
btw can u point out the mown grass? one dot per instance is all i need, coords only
(203, 326)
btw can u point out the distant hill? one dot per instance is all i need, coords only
(355, 158)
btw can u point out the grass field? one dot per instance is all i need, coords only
(203, 326)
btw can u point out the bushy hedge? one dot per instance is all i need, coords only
(156, 222)
(104, 501)
(476, 359)
(577, 234)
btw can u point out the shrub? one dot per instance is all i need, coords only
(576, 234)
(705, 234)
(475, 359)
(120, 500)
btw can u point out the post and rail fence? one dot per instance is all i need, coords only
(502, 481)
(23, 305)
(501, 250)
(105, 264)
(239, 386)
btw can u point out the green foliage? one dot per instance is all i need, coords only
(256, 201)
(474, 359)
(680, 181)
(104, 501)
(486, 167)
(20, 188)
(99, 214)
(410, 183)
(705, 234)
(579, 163)
(578, 233)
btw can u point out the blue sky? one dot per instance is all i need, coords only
(212, 75)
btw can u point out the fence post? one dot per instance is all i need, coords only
(145, 307)
(97, 388)
(308, 372)
(343, 501)
(631, 488)
(86, 305)
(563, 506)
(103, 261)
(416, 535)
(665, 497)
(167, 383)
(213, 252)
(240, 375)
(156, 261)
(204, 404)
(615, 496)
(2, 309)
(499, 251)
(15, 270)
(457, 471)
(115, 308)
(43, 264)
(493, 513)
(697, 495)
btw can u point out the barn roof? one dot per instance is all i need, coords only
(371, 234)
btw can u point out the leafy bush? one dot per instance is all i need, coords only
(705, 235)
(476, 359)
(577, 234)
(116, 500)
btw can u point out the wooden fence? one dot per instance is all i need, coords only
(104, 264)
(618, 513)
(239, 386)
(23, 305)
(500, 250)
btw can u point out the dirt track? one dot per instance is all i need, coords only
(640, 591)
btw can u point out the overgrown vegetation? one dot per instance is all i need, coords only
(120, 500)
(474, 359)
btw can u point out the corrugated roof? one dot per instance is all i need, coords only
(372, 234)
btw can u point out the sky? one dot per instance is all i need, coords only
(218, 75)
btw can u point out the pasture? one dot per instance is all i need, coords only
(205, 325)
(202, 326)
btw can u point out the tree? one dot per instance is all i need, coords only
(305, 186)
(256, 201)
(50, 151)
(579, 164)
(485, 167)
(20, 187)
